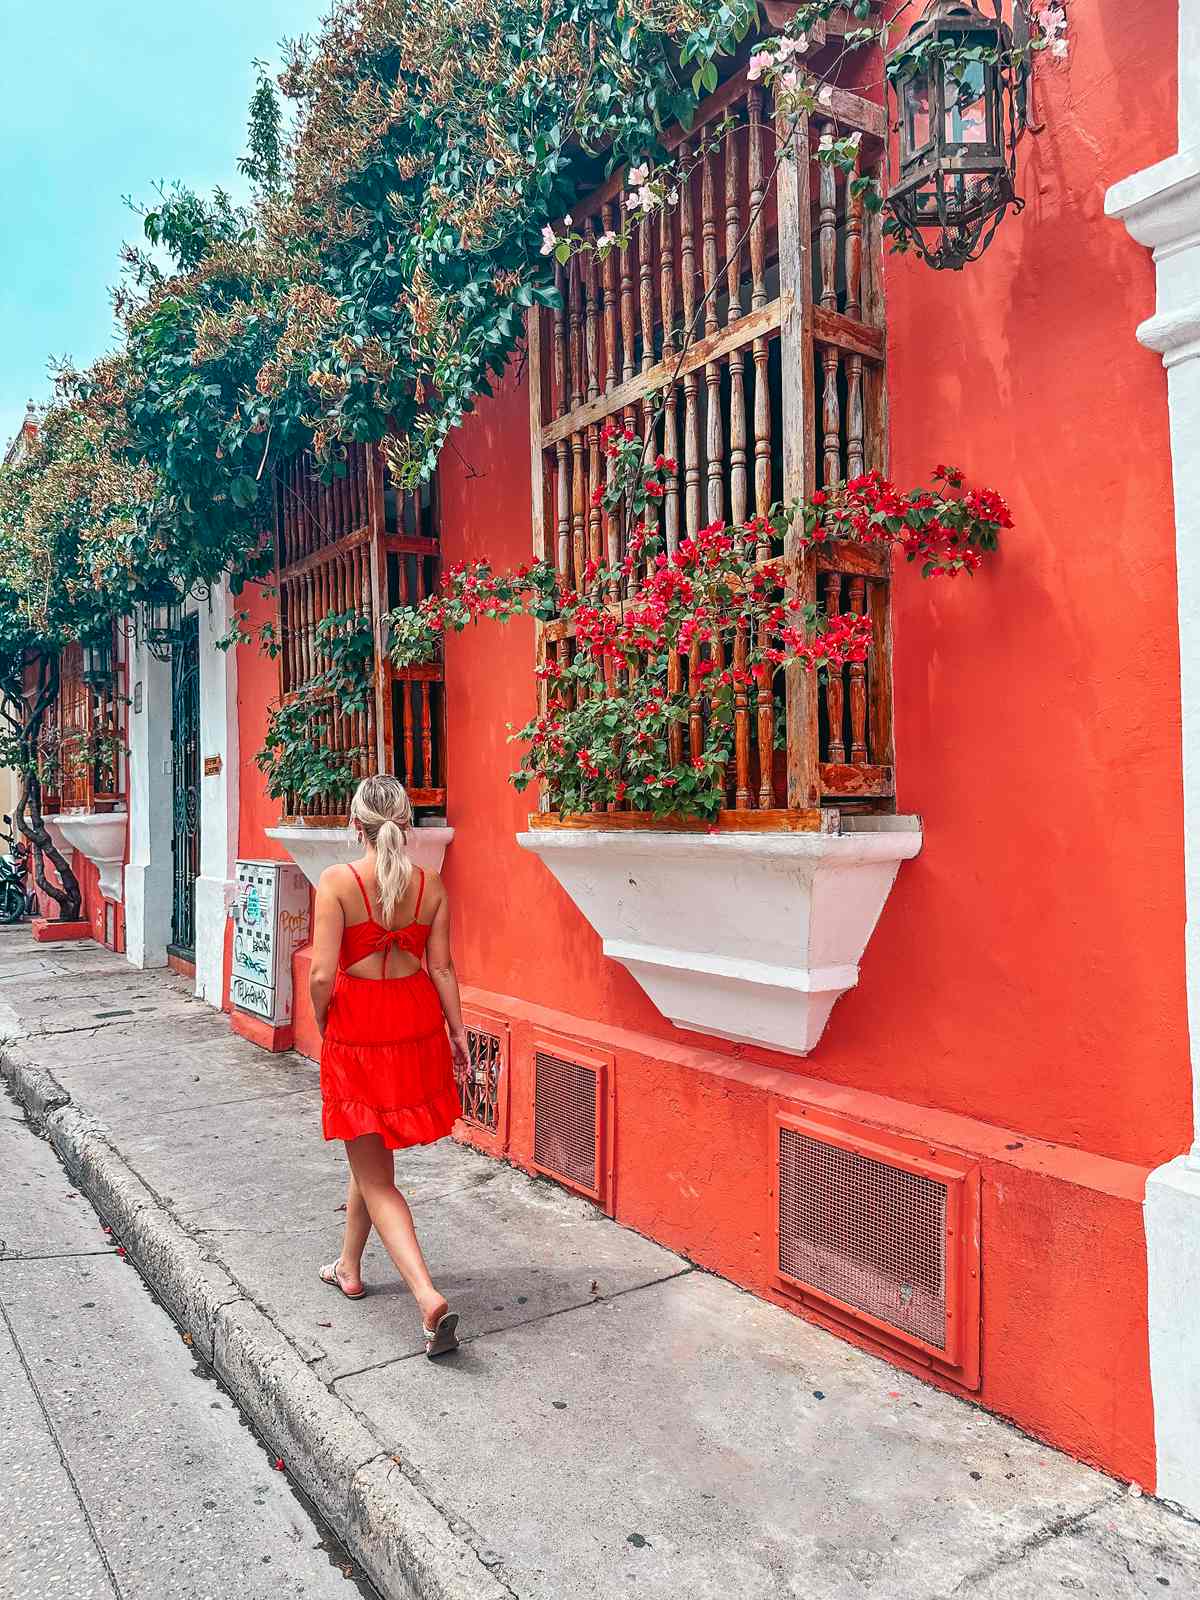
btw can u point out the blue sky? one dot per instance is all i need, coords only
(101, 99)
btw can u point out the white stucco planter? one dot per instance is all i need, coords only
(100, 836)
(314, 849)
(748, 936)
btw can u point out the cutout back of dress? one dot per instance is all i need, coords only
(363, 940)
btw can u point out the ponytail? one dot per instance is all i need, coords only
(383, 811)
(393, 869)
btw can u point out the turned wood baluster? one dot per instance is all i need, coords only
(834, 688)
(578, 509)
(627, 334)
(575, 319)
(714, 433)
(695, 708)
(608, 270)
(691, 423)
(674, 689)
(562, 509)
(592, 348)
(646, 289)
(858, 679)
(830, 356)
(364, 591)
(560, 343)
(628, 314)
(831, 414)
(562, 501)
(287, 628)
(855, 424)
(670, 421)
(737, 361)
(592, 314)
(758, 299)
(765, 699)
(742, 799)
(426, 735)
(646, 232)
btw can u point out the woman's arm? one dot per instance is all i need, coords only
(328, 923)
(445, 981)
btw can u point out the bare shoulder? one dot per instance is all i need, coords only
(333, 880)
(435, 889)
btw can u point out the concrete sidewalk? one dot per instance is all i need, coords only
(617, 1423)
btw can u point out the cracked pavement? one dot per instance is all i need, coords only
(617, 1421)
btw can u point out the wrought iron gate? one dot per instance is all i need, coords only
(185, 774)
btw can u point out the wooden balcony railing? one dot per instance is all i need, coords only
(742, 333)
(354, 548)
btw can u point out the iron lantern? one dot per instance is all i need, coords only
(959, 82)
(98, 661)
(162, 613)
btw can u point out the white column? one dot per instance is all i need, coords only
(218, 793)
(1161, 208)
(148, 871)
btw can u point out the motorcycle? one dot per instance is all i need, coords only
(16, 900)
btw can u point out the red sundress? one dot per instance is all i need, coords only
(385, 1058)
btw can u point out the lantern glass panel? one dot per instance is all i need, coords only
(916, 121)
(966, 98)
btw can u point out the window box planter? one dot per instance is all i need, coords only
(744, 934)
(100, 836)
(313, 848)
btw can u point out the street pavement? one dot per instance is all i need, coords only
(618, 1422)
(125, 1472)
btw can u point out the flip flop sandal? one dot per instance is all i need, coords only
(443, 1336)
(329, 1274)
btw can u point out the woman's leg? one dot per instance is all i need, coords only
(354, 1241)
(372, 1166)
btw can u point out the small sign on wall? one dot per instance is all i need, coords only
(137, 698)
(212, 766)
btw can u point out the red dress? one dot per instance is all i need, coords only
(385, 1058)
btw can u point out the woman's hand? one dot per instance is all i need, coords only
(459, 1049)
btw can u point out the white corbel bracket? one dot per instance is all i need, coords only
(744, 936)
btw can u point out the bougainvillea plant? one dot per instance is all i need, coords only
(669, 645)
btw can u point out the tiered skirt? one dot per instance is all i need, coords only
(385, 1062)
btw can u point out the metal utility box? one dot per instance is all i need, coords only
(270, 922)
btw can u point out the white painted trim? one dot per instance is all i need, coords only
(218, 794)
(314, 849)
(1160, 206)
(746, 936)
(100, 836)
(148, 871)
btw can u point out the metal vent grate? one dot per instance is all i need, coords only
(870, 1235)
(566, 1120)
(479, 1085)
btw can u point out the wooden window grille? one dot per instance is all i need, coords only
(361, 545)
(81, 742)
(777, 269)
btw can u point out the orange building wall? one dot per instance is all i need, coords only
(1022, 1000)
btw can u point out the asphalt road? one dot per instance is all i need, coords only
(126, 1473)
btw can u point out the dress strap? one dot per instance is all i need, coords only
(363, 891)
(420, 895)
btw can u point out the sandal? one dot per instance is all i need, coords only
(443, 1336)
(329, 1274)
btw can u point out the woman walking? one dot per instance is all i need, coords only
(387, 1079)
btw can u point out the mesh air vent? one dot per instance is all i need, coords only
(479, 1085)
(867, 1234)
(566, 1106)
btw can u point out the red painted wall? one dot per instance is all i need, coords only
(1028, 968)
(1022, 999)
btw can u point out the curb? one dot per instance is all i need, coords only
(397, 1536)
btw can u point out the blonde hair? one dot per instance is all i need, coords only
(382, 809)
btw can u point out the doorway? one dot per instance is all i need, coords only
(185, 787)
